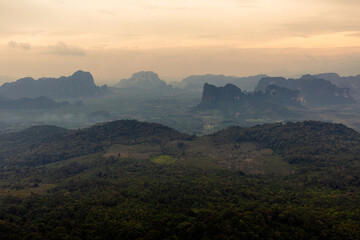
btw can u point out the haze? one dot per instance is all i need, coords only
(113, 39)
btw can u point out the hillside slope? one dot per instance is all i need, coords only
(134, 180)
(56, 144)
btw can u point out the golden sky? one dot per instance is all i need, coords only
(114, 38)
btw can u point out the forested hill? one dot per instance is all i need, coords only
(298, 141)
(134, 180)
(295, 141)
(44, 144)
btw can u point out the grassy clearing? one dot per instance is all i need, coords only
(164, 159)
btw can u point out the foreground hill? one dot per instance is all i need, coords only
(44, 144)
(301, 142)
(134, 180)
(80, 84)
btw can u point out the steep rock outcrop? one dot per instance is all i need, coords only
(145, 81)
(313, 91)
(233, 102)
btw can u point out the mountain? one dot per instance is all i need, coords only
(196, 82)
(31, 103)
(213, 96)
(284, 96)
(144, 81)
(350, 82)
(80, 84)
(234, 102)
(313, 91)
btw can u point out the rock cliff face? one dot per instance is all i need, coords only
(350, 82)
(230, 94)
(233, 102)
(284, 95)
(214, 95)
(312, 90)
(144, 81)
(80, 84)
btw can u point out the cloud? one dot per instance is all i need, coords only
(355, 34)
(14, 44)
(64, 49)
(320, 25)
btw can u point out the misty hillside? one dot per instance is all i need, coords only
(80, 84)
(144, 81)
(350, 82)
(236, 103)
(313, 91)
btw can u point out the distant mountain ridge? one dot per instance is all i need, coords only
(196, 82)
(350, 82)
(144, 80)
(80, 84)
(312, 90)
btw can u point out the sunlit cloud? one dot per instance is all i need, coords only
(319, 25)
(21, 45)
(64, 49)
(59, 28)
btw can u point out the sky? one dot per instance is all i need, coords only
(114, 38)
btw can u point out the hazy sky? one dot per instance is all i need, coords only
(114, 38)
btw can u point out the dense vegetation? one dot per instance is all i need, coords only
(96, 196)
(44, 144)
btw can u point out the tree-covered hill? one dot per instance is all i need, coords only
(44, 144)
(104, 182)
(298, 141)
